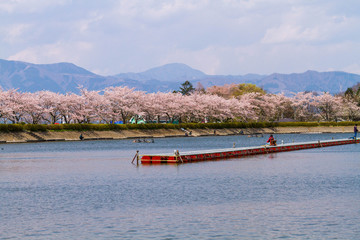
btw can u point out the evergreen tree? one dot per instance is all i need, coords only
(349, 93)
(186, 88)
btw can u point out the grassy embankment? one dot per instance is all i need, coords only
(152, 126)
(17, 133)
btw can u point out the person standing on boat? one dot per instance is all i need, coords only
(355, 131)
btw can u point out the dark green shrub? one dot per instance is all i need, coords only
(132, 126)
(327, 124)
(118, 127)
(78, 126)
(347, 123)
(4, 128)
(170, 126)
(256, 125)
(11, 127)
(298, 124)
(214, 125)
(55, 127)
(35, 127)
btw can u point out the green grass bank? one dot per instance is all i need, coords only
(152, 126)
(22, 133)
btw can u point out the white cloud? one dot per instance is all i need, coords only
(14, 33)
(290, 33)
(51, 53)
(353, 68)
(217, 37)
(29, 6)
(84, 25)
(310, 23)
(156, 9)
(6, 6)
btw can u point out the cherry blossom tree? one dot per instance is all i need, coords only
(175, 106)
(328, 106)
(154, 105)
(123, 102)
(68, 107)
(2, 105)
(95, 107)
(33, 111)
(258, 104)
(350, 110)
(14, 103)
(304, 106)
(225, 91)
(215, 108)
(243, 109)
(275, 106)
(50, 103)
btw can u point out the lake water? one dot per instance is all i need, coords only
(90, 190)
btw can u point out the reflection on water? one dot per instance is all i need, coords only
(90, 190)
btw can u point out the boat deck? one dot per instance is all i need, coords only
(212, 154)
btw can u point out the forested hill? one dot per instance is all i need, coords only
(67, 77)
(332, 82)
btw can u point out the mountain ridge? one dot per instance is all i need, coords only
(168, 73)
(67, 77)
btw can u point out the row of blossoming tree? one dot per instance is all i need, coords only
(121, 103)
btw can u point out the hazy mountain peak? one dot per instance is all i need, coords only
(66, 77)
(169, 72)
(174, 67)
(65, 68)
(57, 77)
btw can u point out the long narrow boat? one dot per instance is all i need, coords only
(203, 155)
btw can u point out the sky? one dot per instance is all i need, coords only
(228, 37)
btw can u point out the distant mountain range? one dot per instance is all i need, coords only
(67, 77)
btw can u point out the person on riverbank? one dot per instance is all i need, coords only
(81, 137)
(355, 131)
(271, 140)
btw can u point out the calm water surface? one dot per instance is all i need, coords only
(90, 190)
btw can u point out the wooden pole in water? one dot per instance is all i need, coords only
(137, 158)
(177, 155)
(181, 159)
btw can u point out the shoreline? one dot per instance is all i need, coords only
(51, 136)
